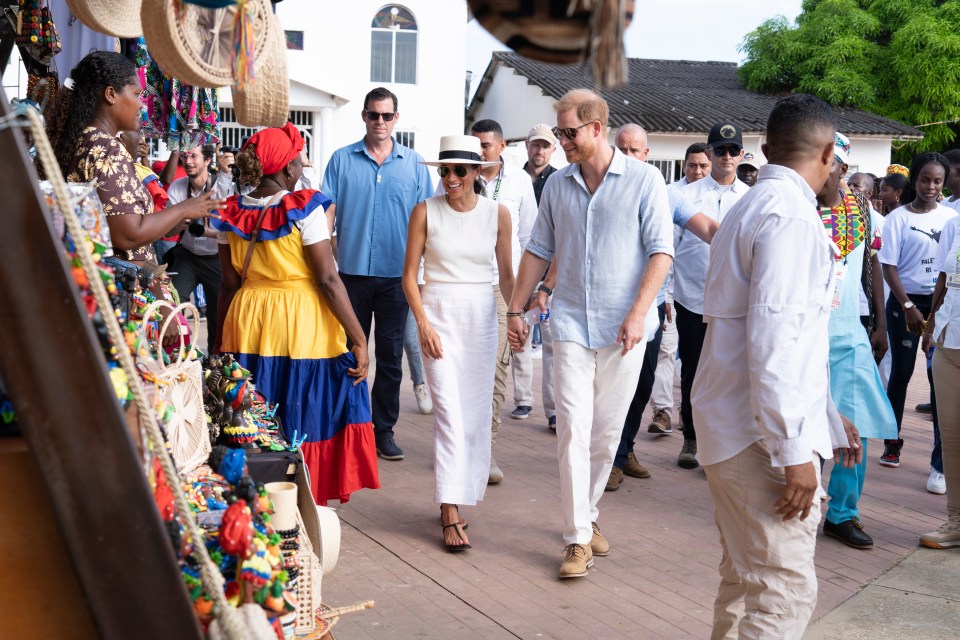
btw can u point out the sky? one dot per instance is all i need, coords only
(674, 30)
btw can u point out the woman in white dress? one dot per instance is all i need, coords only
(459, 235)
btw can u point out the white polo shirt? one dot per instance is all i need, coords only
(693, 254)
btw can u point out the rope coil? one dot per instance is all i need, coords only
(210, 576)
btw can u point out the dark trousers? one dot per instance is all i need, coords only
(903, 351)
(691, 332)
(187, 270)
(383, 299)
(631, 426)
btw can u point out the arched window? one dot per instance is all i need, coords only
(393, 46)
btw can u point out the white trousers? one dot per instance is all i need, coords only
(594, 388)
(546, 379)
(662, 395)
(461, 385)
(768, 582)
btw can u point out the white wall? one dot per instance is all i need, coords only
(336, 58)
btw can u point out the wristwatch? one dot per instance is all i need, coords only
(908, 305)
(547, 290)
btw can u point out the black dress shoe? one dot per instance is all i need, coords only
(850, 533)
(924, 407)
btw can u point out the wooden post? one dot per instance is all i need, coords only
(57, 377)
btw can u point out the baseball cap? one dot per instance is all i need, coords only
(841, 147)
(542, 132)
(725, 133)
(750, 160)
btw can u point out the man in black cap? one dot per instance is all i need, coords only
(713, 196)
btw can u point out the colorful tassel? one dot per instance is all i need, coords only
(243, 38)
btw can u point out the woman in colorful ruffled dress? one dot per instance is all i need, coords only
(284, 311)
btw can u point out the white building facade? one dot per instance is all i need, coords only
(676, 107)
(339, 51)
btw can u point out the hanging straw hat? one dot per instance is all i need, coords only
(195, 44)
(265, 100)
(460, 149)
(119, 18)
(562, 31)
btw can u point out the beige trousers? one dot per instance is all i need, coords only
(503, 364)
(946, 380)
(768, 584)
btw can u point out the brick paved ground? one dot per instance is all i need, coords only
(658, 582)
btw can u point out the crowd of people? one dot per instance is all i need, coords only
(779, 290)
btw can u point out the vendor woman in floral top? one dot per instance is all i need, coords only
(105, 100)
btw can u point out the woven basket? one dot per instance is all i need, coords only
(310, 585)
(119, 18)
(561, 31)
(265, 101)
(180, 383)
(194, 44)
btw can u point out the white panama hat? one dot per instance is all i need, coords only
(460, 149)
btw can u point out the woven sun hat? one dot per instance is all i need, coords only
(194, 43)
(265, 102)
(119, 18)
(460, 149)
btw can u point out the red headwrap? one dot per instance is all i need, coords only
(275, 147)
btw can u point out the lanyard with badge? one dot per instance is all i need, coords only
(496, 190)
(953, 279)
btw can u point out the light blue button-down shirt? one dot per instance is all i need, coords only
(602, 244)
(373, 206)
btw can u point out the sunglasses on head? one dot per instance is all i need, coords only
(569, 132)
(373, 116)
(727, 150)
(458, 169)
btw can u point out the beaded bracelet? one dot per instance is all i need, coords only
(289, 533)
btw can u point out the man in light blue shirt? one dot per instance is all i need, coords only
(605, 221)
(374, 185)
(631, 139)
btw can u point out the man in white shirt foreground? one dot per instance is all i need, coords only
(761, 396)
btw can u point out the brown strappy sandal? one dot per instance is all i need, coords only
(455, 548)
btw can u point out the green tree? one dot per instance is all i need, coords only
(896, 58)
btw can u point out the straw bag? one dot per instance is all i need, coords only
(119, 18)
(195, 44)
(265, 101)
(180, 384)
(562, 31)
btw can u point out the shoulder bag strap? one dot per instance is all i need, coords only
(255, 235)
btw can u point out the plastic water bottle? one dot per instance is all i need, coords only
(533, 317)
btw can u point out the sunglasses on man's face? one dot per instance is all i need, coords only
(569, 132)
(728, 150)
(373, 116)
(458, 169)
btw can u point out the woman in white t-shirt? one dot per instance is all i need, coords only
(911, 236)
(943, 328)
(459, 236)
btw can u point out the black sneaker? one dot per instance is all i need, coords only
(891, 453)
(388, 449)
(850, 533)
(522, 412)
(552, 423)
(924, 407)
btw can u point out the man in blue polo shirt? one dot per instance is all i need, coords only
(374, 184)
